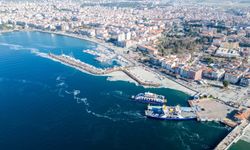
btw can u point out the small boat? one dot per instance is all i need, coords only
(150, 98)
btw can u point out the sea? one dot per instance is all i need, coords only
(47, 105)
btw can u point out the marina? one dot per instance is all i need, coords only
(103, 55)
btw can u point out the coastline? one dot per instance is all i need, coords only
(117, 75)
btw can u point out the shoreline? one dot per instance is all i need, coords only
(117, 75)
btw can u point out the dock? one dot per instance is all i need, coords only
(211, 110)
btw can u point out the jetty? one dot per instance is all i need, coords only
(81, 65)
(68, 60)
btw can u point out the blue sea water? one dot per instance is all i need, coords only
(46, 105)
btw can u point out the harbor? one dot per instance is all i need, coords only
(183, 72)
(175, 98)
(205, 110)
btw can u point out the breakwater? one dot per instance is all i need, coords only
(98, 71)
(83, 66)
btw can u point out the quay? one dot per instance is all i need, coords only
(211, 110)
(233, 136)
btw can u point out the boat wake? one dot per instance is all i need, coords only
(99, 115)
(61, 85)
(114, 113)
(119, 94)
(12, 46)
(84, 101)
(24, 81)
(134, 114)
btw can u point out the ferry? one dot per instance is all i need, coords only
(171, 112)
(150, 98)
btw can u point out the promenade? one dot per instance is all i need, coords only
(211, 109)
(233, 136)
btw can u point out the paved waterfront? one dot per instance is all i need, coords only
(211, 109)
(233, 136)
(246, 135)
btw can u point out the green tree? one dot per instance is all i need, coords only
(225, 83)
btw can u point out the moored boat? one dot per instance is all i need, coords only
(170, 112)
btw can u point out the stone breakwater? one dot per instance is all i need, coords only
(97, 71)
(83, 66)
